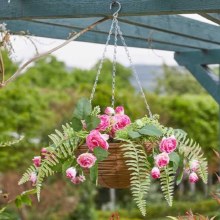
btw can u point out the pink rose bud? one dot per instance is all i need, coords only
(194, 165)
(71, 173)
(109, 111)
(120, 110)
(168, 145)
(155, 173)
(78, 179)
(37, 160)
(96, 139)
(193, 178)
(43, 152)
(104, 122)
(86, 160)
(161, 160)
(33, 178)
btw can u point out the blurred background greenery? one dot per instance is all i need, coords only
(44, 98)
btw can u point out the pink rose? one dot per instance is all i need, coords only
(121, 121)
(37, 160)
(155, 173)
(109, 111)
(33, 178)
(120, 110)
(43, 152)
(168, 145)
(162, 159)
(78, 179)
(104, 122)
(193, 178)
(86, 160)
(96, 139)
(71, 173)
(194, 165)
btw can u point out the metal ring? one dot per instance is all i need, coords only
(119, 6)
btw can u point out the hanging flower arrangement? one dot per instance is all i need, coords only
(146, 150)
(111, 151)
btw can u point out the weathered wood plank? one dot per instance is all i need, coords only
(21, 9)
(132, 31)
(200, 57)
(45, 30)
(202, 73)
(178, 25)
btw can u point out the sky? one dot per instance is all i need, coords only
(85, 55)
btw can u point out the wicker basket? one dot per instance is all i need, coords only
(112, 172)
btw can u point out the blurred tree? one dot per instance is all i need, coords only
(176, 81)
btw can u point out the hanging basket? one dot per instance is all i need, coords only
(112, 172)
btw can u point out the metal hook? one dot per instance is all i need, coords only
(119, 7)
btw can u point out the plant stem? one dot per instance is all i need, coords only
(38, 56)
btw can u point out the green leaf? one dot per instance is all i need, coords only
(175, 158)
(26, 200)
(150, 130)
(83, 109)
(179, 178)
(29, 192)
(18, 202)
(92, 122)
(67, 164)
(133, 134)
(77, 124)
(100, 153)
(2, 209)
(176, 131)
(94, 173)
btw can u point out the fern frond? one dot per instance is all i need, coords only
(191, 150)
(136, 160)
(10, 143)
(167, 184)
(26, 176)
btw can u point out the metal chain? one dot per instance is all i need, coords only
(134, 70)
(114, 60)
(118, 31)
(102, 60)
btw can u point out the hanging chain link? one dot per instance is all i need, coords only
(134, 70)
(114, 60)
(102, 60)
(115, 26)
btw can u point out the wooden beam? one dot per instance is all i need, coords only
(214, 17)
(57, 32)
(179, 25)
(199, 57)
(21, 9)
(135, 31)
(202, 73)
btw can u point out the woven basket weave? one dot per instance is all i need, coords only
(112, 172)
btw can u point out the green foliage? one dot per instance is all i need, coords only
(10, 143)
(24, 198)
(158, 211)
(136, 160)
(178, 82)
(167, 184)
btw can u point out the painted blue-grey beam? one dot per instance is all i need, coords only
(132, 31)
(200, 57)
(201, 72)
(50, 31)
(94, 8)
(179, 25)
(214, 17)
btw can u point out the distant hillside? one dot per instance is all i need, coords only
(148, 75)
